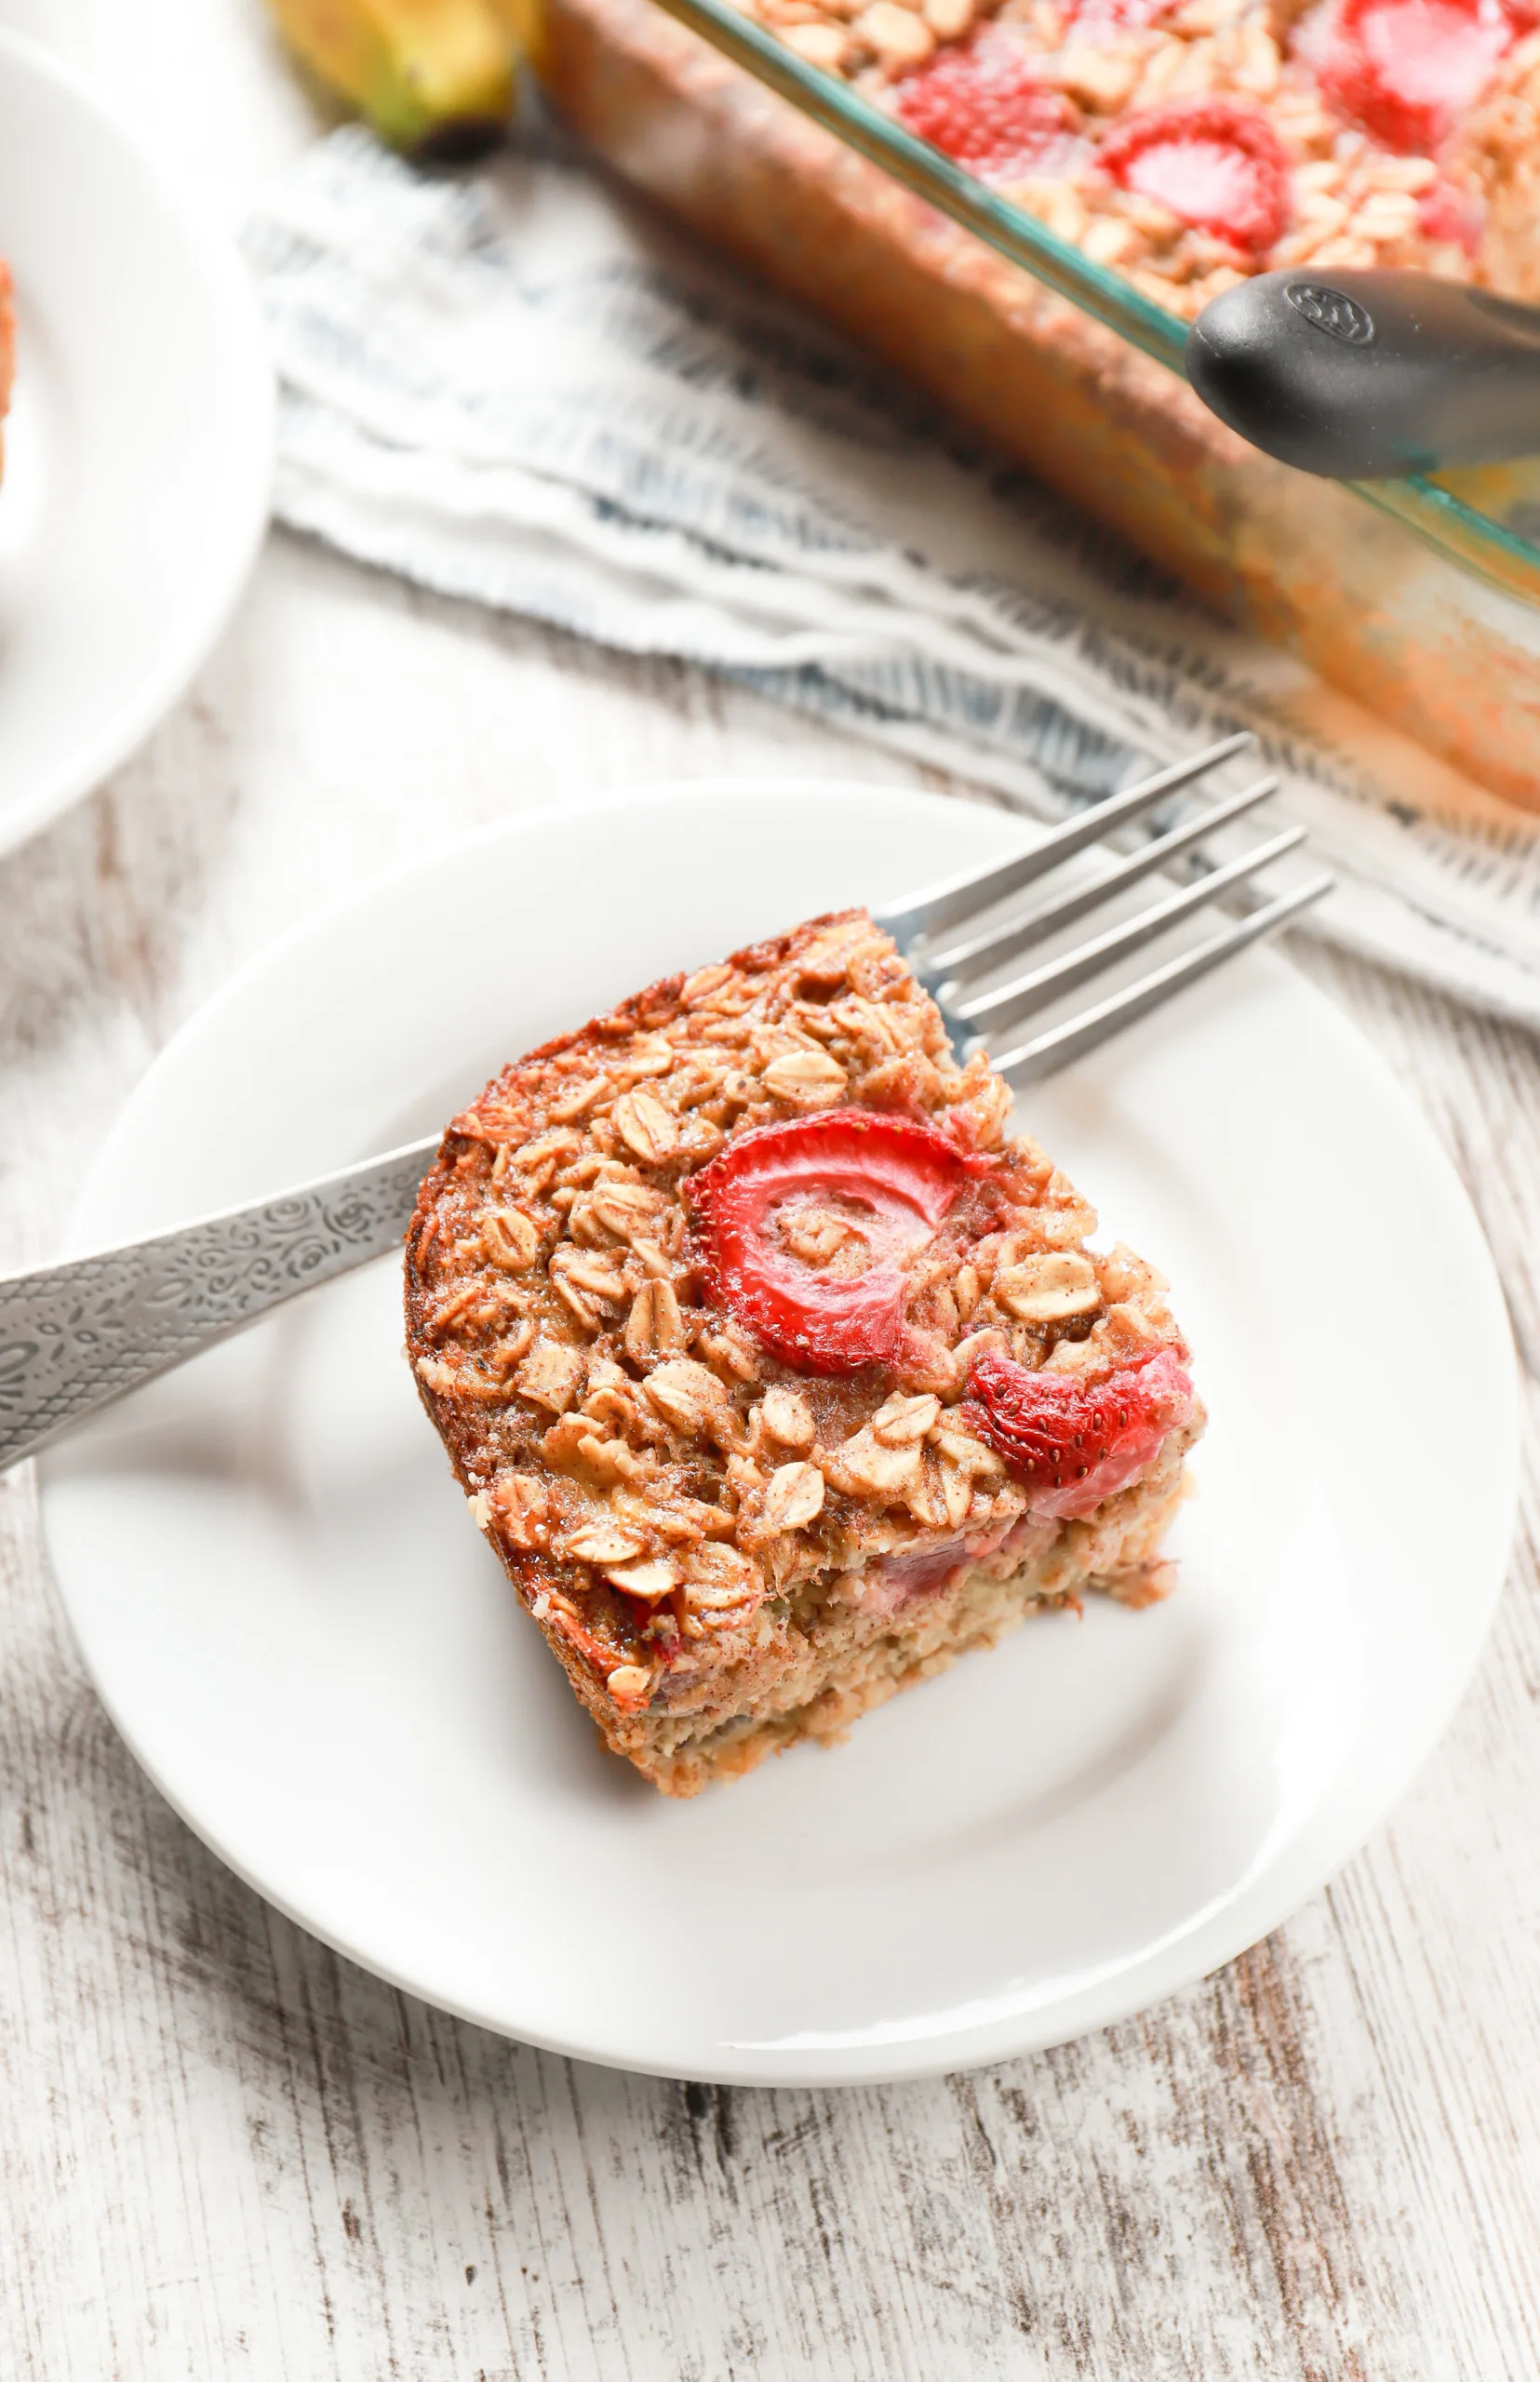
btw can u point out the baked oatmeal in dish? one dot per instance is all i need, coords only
(1187, 144)
(776, 1374)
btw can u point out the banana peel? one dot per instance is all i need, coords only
(434, 77)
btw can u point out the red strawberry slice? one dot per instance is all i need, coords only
(985, 105)
(1446, 212)
(1407, 70)
(1074, 1444)
(1101, 20)
(1217, 165)
(862, 1186)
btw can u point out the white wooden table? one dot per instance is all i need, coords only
(224, 2152)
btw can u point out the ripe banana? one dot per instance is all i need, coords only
(430, 75)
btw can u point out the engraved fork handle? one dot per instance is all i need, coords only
(74, 1337)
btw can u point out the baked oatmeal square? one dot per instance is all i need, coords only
(776, 1374)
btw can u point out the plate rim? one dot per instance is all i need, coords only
(251, 453)
(1157, 1974)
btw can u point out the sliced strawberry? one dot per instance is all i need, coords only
(1103, 20)
(800, 1228)
(1407, 70)
(1217, 165)
(924, 1572)
(985, 105)
(1074, 1444)
(1446, 212)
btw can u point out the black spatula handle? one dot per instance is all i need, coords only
(1367, 375)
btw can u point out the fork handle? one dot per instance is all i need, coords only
(74, 1337)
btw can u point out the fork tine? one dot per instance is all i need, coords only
(958, 897)
(989, 1011)
(946, 969)
(1031, 1062)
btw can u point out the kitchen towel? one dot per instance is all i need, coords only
(516, 386)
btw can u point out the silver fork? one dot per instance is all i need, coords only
(74, 1337)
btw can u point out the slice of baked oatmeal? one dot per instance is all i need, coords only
(774, 1373)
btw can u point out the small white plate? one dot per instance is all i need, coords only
(139, 449)
(301, 1634)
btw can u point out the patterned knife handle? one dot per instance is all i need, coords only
(74, 1337)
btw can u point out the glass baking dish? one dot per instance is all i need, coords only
(1418, 597)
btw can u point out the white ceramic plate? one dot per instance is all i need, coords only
(139, 448)
(303, 1637)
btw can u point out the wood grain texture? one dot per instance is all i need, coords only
(226, 2153)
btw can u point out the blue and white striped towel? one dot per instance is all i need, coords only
(516, 388)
